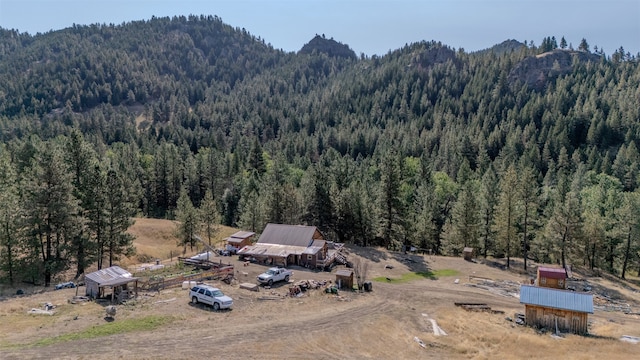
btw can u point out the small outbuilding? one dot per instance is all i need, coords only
(344, 279)
(561, 310)
(468, 253)
(239, 240)
(555, 278)
(115, 278)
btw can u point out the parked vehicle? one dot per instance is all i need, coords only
(210, 295)
(273, 275)
(65, 285)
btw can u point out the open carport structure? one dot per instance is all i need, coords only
(116, 279)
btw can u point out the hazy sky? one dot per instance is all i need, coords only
(367, 26)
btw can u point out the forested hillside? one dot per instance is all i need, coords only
(518, 150)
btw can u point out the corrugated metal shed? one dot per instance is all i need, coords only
(552, 273)
(109, 275)
(290, 235)
(556, 299)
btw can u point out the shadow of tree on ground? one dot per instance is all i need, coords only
(369, 253)
(415, 263)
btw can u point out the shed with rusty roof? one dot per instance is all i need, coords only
(115, 278)
(549, 277)
(566, 311)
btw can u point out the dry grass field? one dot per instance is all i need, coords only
(394, 321)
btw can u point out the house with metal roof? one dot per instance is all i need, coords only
(551, 277)
(114, 278)
(281, 244)
(559, 310)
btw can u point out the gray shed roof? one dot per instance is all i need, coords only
(344, 272)
(110, 276)
(290, 235)
(556, 299)
(242, 235)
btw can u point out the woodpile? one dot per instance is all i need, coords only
(478, 307)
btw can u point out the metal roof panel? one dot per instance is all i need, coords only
(292, 235)
(108, 275)
(556, 299)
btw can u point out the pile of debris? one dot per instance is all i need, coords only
(78, 299)
(303, 285)
(604, 303)
(46, 310)
(478, 307)
(500, 287)
(518, 318)
(273, 295)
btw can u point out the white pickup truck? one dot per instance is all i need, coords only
(274, 274)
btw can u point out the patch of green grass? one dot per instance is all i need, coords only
(117, 327)
(411, 276)
(445, 272)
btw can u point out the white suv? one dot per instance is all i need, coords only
(209, 295)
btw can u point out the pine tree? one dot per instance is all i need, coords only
(256, 159)
(441, 204)
(465, 213)
(584, 46)
(251, 213)
(466, 221)
(488, 201)
(506, 213)
(273, 193)
(601, 200)
(97, 213)
(118, 219)
(390, 201)
(209, 216)
(10, 215)
(187, 222)
(52, 210)
(528, 196)
(630, 229)
(81, 160)
(319, 203)
(565, 226)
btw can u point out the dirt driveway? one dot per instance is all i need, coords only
(382, 324)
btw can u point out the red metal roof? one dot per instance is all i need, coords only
(552, 273)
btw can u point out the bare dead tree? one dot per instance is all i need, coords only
(361, 271)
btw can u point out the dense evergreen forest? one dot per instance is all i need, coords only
(519, 150)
